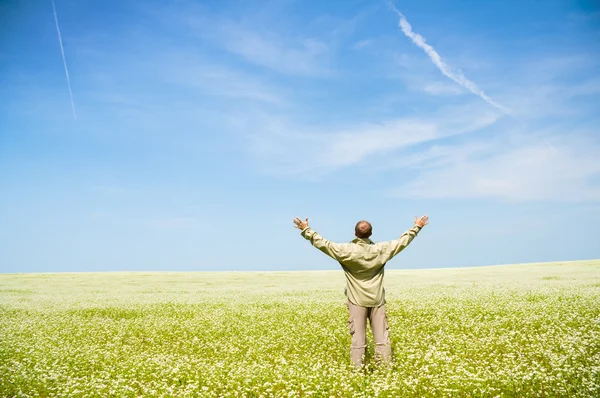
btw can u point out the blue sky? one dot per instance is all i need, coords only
(203, 128)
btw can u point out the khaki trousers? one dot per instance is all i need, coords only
(357, 324)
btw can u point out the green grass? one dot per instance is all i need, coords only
(509, 331)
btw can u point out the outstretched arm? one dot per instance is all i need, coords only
(396, 246)
(333, 250)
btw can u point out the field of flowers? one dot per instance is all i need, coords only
(519, 330)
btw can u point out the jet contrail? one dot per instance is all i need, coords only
(62, 51)
(447, 70)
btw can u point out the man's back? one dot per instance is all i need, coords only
(363, 262)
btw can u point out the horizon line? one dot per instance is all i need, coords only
(297, 270)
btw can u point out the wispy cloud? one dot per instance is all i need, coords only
(177, 77)
(303, 56)
(273, 48)
(222, 81)
(326, 151)
(553, 99)
(530, 171)
(447, 70)
(438, 156)
(281, 43)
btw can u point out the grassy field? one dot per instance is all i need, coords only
(519, 330)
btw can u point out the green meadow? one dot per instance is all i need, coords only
(530, 330)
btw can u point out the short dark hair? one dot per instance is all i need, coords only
(363, 229)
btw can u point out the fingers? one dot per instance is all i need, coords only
(298, 223)
(422, 221)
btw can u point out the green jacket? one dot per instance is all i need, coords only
(362, 261)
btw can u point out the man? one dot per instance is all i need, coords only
(363, 261)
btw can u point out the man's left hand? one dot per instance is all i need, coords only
(301, 224)
(421, 222)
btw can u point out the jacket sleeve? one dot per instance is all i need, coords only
(332, 249)
(394, 247)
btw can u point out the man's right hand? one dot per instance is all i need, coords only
(421, 222)
(301, 224)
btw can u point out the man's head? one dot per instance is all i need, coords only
(363, 229)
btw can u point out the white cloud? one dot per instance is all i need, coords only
(302, 56)
(223, 81)
(551, 99)
(277, 144)
(174, 66)
(553, 169)
(436, 156)
(264, 43)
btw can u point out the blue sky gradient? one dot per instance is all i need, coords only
(204, 128)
